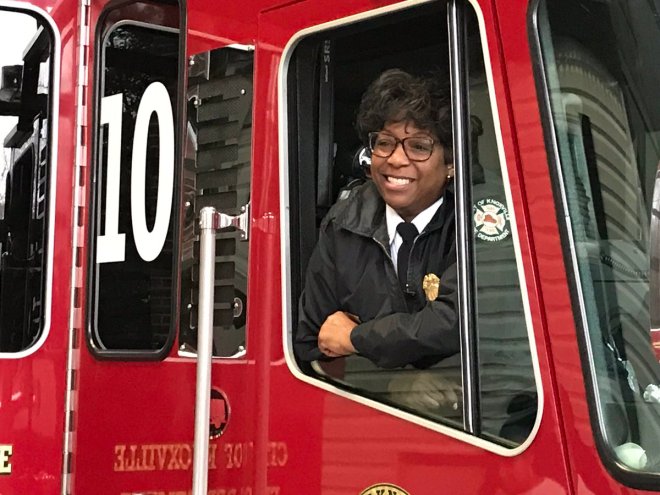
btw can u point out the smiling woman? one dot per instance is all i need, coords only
(407, 200)
(412, 177)
(381, 313)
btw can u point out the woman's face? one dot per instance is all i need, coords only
(410, 186)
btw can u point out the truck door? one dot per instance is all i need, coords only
(36, 135)
(358, 425)
(170, 133)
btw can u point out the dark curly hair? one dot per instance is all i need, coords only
(398, 96)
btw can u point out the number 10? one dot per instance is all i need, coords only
(111, 246)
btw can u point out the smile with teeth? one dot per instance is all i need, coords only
(399, 181)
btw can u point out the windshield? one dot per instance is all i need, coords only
(601, 76)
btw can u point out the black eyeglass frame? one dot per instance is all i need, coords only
(373, 135)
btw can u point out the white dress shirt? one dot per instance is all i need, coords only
(420, 221)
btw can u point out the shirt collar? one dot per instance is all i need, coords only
(420, 221)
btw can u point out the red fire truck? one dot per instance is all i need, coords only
(165, 168)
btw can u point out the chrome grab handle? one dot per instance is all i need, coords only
(210, 221)
(222, 221)
(207, 224)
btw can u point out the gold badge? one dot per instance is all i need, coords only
(384, 488)
(431, 286)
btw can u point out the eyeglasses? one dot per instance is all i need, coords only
(417, 149)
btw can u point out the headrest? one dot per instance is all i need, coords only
(362, 162)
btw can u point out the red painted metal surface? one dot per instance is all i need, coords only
(32, 388)
(133, 421)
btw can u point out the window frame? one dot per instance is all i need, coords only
(289, 268)
(53, 136)
(624, 475)
(101, 35)
(465, 259)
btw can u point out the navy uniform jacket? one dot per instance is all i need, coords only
(351, 270)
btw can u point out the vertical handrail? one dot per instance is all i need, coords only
(208, 225)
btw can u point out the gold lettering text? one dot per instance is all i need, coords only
(278, 454)
(174, 457)
(119, 458)
(158, 457)
(185, 456)
(179, 456)
(213, 448)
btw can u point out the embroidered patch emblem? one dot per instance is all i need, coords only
(491, 220)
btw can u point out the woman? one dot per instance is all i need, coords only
(367, 290)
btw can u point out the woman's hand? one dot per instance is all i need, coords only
(335, 335)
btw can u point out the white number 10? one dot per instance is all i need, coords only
(111, 246)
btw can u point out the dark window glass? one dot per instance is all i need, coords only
(26, 54)
(602, 76)
(135, 198)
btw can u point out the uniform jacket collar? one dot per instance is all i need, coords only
(363, 213)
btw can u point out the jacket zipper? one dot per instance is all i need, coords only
(389, 257)
(402, 296)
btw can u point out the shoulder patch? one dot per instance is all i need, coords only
(491, 220)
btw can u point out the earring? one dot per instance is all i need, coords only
(449, 177)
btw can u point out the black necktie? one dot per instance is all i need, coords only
(408, 232)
